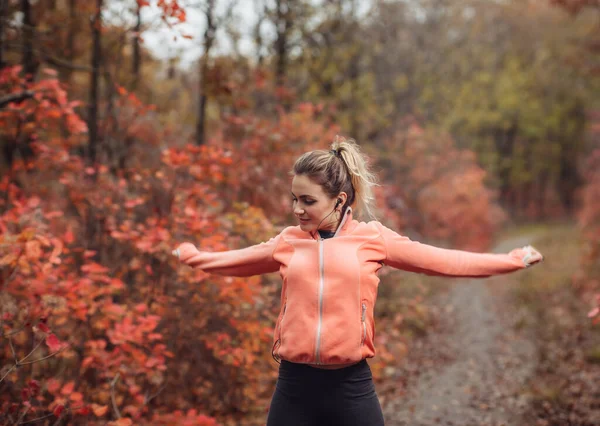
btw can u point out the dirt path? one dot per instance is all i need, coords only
(484, 362)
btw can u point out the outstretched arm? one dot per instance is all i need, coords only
(254, 260)
(403, 253)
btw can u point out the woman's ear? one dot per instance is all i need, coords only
(341, 200)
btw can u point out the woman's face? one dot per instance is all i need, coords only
(311, 205)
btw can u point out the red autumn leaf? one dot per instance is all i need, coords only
(84, 411)
(42, 239)
(34, 385)
(76, 397)
(94, 268)
(124, 421)
(58, 410)
(43, 327)
(53, 214)
(33, 250)
(52, 385)
(87, 361)
(99, 410)
(25, 394)
(58, 248)
(33, 202)
(53, 343)
(69, 237)
(68, 388)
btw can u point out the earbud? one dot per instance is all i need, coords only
(338, 202)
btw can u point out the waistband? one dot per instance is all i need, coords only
(305, 370)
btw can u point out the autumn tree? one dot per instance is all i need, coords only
(440, 190)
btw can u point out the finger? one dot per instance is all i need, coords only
(528, 255)
(538, 256)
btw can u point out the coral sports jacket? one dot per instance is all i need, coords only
(330, 286)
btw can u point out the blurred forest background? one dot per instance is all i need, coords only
(477, 114)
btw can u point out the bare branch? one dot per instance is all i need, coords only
(23, 414)
(16, 97)
(30, 353)
(36, 419)
(8, 372)
(46, 357)
(112, 395)
(12, 348)
(147, 399)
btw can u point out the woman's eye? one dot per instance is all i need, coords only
(307, 202)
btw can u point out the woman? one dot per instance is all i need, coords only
(329, 264)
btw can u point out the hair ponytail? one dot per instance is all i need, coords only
(342, 169)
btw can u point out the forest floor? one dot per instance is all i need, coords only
(509, 350)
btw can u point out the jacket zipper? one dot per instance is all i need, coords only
(364, 323)
(321, 286)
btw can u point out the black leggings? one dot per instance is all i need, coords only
(308, 396)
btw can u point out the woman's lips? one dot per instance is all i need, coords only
(303, 220)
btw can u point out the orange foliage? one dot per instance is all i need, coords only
(87, 271)
(589, 221)
(87, 267)
(441, 193)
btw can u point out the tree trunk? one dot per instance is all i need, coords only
(504, 140)
(137, 59)
(258, 39)
(28, 60)
(71, 37)
(569, 177)
(283, 24)
(209, 36)
(3, 9)
(94, 81)
(201, 103)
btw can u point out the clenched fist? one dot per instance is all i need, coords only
(528, 254)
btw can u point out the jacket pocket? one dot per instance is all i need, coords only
(278, 340)
(363, 322)
(281, 320)
(279, 324)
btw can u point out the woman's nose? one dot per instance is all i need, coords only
(298, 211)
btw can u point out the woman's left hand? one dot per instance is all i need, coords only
(531, 256)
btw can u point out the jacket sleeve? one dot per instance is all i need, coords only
(253, 260)
(403, 253)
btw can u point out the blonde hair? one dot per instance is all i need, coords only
(342, 169)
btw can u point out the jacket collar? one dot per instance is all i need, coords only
(346, 220)
(344, 227)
